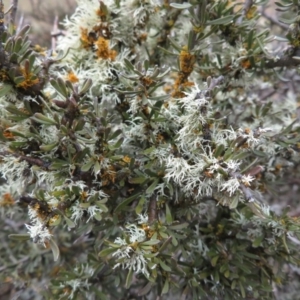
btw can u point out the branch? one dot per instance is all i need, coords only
(286, 60)
(273, 20)
(31, 160)
(247, 5)
(13, 13)
(152, 209)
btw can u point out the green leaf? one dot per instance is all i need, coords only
(234, 202)
(19, 237)
(54, 248)
(86, 86)
(140, 206)
(164, 266)
(179, 226)
(222, 21)
(151, 188)
(146, 289)
(214, 261)
(169, 218)
(128, 64)
(181, 6)
(166, 286)
(14, 110)
(86, 167)
(48, 147)
(5, 89)
(129, 279)
(151, 242)
(127, 201)
(69, 222)
(40, 118)
(104, 253)
(288, 128)
(242, 289)
(58, 164)
(257, 242)
(137, 180)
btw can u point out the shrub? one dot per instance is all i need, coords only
(155, 152)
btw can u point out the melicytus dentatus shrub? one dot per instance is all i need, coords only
(154, 151)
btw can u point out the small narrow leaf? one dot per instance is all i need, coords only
(54, 248)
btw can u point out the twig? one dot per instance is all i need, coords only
(152, 209)
(54, 33)
(2, 30)
(285, 60)
(246, 8)
(13, 13)
(20, 24)
(274, 20)
(31, 160)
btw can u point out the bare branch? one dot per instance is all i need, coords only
(273, 20)
(13, 12)
(288, 59)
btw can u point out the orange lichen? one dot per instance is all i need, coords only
(3, 75)
(126, 159)
(40, 50)
(159, 138)
(72, 77)
(208, 174)
(146, 81)
(83, 195)
(7, 200)
(102, 11)
(102, 14)
(198, 29)
(143, 37)
(145, 110)
(7, 134)
(108, 176)
(247, 130)
(186, 65)
(87, 39)
(186, 61)
(41, 213)
(188, 84)
(104, 51)
(29, 79)
(251, 12)
(53, 220)
(246, 64)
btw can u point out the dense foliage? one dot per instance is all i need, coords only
(155, 151)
